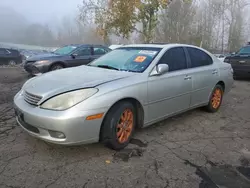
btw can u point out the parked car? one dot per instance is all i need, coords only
(10, 56)
(114, 46)
(221, 56)
(131, 87)
(240, 62)
(67, 56)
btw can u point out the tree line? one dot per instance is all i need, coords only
(217, 25)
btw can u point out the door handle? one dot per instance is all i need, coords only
(214, 72)
(187, 77)
(242, 61)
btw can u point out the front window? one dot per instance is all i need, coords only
(65, 50)
(132, 59)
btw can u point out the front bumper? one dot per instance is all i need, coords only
(35, 70)
(43, 124)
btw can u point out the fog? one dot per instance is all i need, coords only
(42, 10)
(218, 25)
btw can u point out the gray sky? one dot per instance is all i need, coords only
(43, 10)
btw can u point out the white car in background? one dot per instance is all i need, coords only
(114, 46)
(220, 57)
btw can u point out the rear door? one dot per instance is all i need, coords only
(205, 75)
(82, 56)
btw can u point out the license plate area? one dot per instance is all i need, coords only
(20, 117)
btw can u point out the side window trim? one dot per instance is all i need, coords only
(189, 59)
(78, 50)
(100, 47)
(170, 49)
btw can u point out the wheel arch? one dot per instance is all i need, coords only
(57, 63)
(138, 107)
(222, 84)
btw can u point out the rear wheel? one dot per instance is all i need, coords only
(215, 99)
(118, 126)
(56, 67)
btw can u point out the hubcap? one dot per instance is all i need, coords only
(125, 126)
(56, 67)
(216, 99)
(12, 63)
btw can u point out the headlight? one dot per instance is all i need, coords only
(69, 99)
(41, 62)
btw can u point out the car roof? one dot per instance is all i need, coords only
(159, 45)
(85, 45)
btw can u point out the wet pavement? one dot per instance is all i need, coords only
(193, 150)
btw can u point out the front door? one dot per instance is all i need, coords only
(169, 93)
(241, 62)
(205, 75)
(81, 57)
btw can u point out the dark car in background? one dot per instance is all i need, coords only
(10, 57)
(240, 62)
(67, 56)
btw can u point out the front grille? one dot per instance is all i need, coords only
(31, 98)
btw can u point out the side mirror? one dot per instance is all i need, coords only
(74, 55)
(160, 69)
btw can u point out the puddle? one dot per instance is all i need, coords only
(138, 142)
(126, 154)
(225, 176)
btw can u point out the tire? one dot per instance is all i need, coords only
(56, 66)
(12, 63)
(118, 126)
(215, 99)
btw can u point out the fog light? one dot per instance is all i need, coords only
(56, 134)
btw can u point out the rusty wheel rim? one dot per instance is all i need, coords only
(125, 126)
(216, 99)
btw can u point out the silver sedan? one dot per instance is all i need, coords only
(131, 87)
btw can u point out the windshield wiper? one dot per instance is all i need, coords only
(107, 67)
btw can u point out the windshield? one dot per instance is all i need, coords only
(65, 50)
(244, 50)
(132, 59)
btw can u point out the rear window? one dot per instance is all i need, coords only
(198, 57)
(14, 52)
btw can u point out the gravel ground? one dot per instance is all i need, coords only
(195, 149)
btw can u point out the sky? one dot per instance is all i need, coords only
(43, 10)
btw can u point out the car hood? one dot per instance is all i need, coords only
(40, 57)
(59, 81)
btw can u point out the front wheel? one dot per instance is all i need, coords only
(215, 99)
(56, 67)
(12, 63)
(118, 126)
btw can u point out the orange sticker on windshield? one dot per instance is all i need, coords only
(140, 59)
